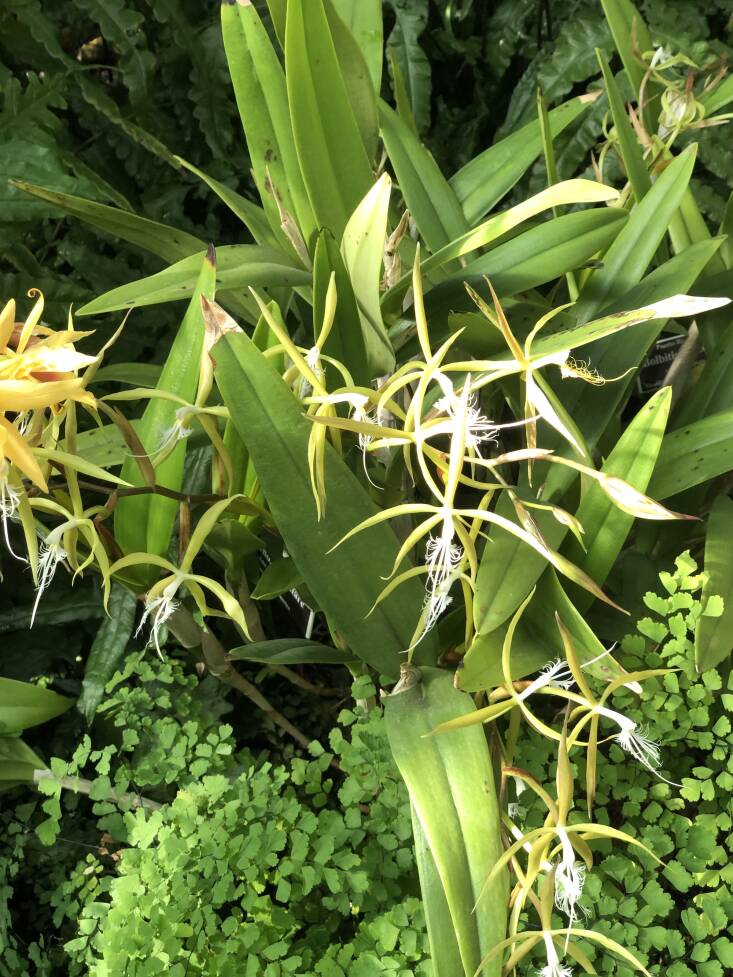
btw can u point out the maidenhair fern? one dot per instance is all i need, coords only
(307, 869)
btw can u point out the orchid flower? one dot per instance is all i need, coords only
(553, 967)
(10, 496)
(159, 607)
(161, 600)
(59, 546)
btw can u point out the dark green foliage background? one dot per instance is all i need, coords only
(95, 98)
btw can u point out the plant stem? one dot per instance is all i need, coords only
(81, 785)
(219, 666)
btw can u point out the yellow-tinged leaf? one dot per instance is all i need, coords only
(485, 715)
(362, 248)
(78, 464)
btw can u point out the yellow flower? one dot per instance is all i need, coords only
(38, 369)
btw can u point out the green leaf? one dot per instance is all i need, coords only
(632, 251)
(362, 249)
(260, 91)
(548, 250)
(291, 651)
(18, 762)
(71, 609)
(536, 641)
(593, 407)
(345, 582)
(103, 446)
(576, 337)
(252, 216)
(167, 242)
(688, 227)
(631, 37)
(238, 266)
(568, 192)
(409, 63)
(450, 780)
(333, 160)
(633, 459)
(694, 454)
(534, 257)
(513, 569)
(399, 90)
(364, 20)
(355, 70)
(23, 705)
(628, 144)
(509, 569)
(714, 635)
(482, 182)
(278, 577)
(278, 11)
(444, 952)
(346, 341)
(431, 201)
(96, 96)
(718, 97)
(144, 523)
(134, 374)
(107, 649)
(713, 390)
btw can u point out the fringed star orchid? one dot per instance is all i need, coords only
(162, 599)
(61, 545)
(550, 863)
(437, 400)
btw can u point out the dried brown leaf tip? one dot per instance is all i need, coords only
(217, 322)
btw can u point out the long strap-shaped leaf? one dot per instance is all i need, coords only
(144, 523)
(429, 197)
(444, 953)
(534, 644)
(631, 37)
(632, 459)
(694, 454)
(332, 157)
(252, 216)
(509, 570)
(360, 90)
(632, 251)
(362, 249)
(450, 780)
(364, 20)
(167, 242)
(714, 634)
(482, 182)
(498, 225)
(631, 152)
(23, 704)
(534, 257)
(238, 266)
(593, 407)
(259, 87)
(345, 582)
(346, 341)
